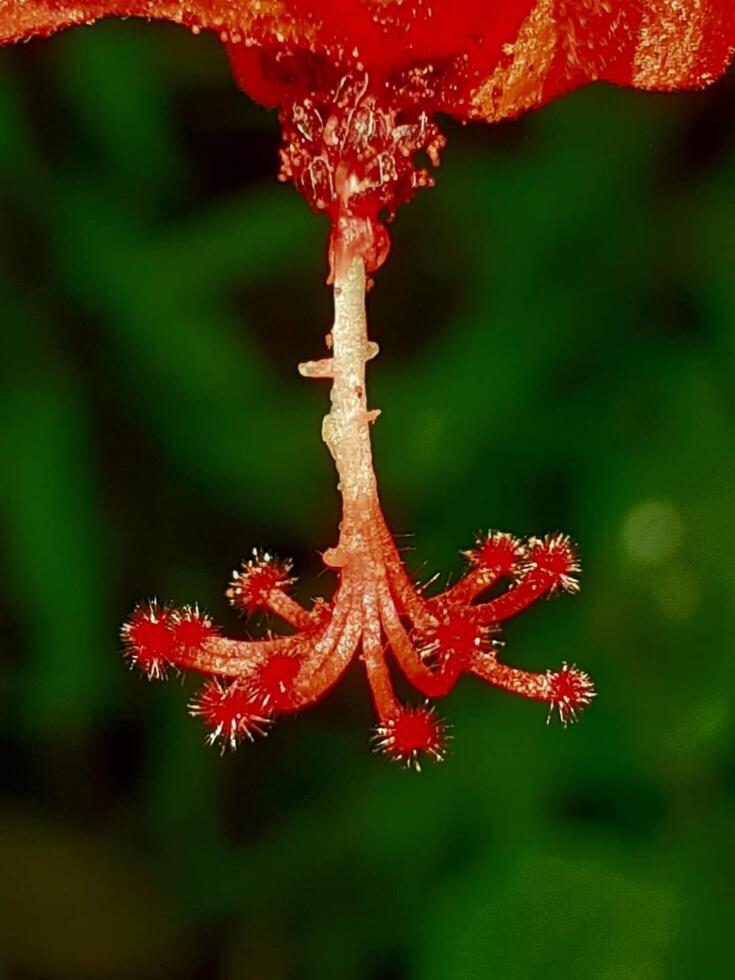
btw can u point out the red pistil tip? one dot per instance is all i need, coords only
(271, 685)
(497, 551)
(457, 638)
(147, 638)
(571, 690)
(412, 733)
(254, 582)
(190, 628)
(555, 556)
(230, 713)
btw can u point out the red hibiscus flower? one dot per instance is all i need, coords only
(357, 84)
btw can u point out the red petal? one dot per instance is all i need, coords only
(474, 59)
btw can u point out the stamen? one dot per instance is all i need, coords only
(190, 629)
(567, 691)
(410, 734)
(255, 582)
(495, 556)
(147, 639)
(570, 690)
(551, 565)
(270, 685)
(230, 713)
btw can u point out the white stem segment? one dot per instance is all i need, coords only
(346, 429)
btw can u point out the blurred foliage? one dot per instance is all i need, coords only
(557, 324)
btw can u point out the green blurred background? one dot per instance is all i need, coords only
(557, 324)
